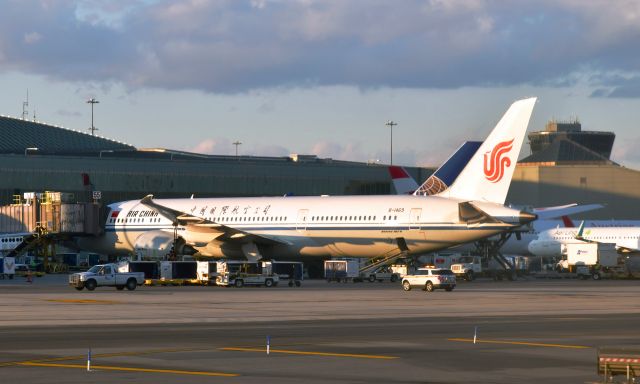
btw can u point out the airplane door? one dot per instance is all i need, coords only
(414, 218)
(301, 223)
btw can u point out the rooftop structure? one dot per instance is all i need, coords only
(20, 135)
(564, 142)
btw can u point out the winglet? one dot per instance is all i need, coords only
(147, 199)
(580, 230)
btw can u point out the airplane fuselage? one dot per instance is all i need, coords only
(326, 226)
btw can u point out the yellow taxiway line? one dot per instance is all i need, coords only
(129, 369)
(292, 352)
(98, 355)
(521, 343)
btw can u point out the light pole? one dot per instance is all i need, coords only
(236, 143)
(390, 124)
(29, 149)
(92, 101)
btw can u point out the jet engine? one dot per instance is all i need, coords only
(160, 243)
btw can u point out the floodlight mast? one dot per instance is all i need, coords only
(92, 101)
(390, 124)
(237, 143)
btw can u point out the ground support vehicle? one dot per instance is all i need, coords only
(207, 271)
(293, 271)
(385, 274)
(430, 279)
(591, 260)
(467, 267)
(342, 270)
(106, 275)
(241, 273)
(7, 267)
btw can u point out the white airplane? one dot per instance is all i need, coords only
(553, 242)
(328, 226)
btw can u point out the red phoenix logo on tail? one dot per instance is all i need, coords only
(495, 162)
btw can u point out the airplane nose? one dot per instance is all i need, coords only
(526, 217)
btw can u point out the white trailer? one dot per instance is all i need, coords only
(591, 259)
(7, 267)
(207, 272)
(342, 270)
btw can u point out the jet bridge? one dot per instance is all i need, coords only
(48, 218)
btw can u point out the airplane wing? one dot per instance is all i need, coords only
(198, 224)
(564, 210)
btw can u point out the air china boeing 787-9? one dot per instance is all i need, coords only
(330, 226)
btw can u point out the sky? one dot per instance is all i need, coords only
(321, 77)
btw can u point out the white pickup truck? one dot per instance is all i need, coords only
(106, 275)
(429, 279)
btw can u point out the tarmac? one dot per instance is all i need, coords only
(525, 331)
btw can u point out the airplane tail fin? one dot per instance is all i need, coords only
(566, 220)
(488, 174)
(402, 182)
(448, 172)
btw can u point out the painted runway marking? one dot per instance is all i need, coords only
(83, 301)
(102, 355)
(522, 343)
(129, 369)
(292, 352)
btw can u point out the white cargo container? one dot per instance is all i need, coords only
(8, 267)
(591, 259)
(342, 270)
(207, 272)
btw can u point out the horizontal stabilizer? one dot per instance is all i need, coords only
(470, 214)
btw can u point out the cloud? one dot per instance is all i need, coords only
(218, 146)
(32, 37)
(334, 150)
(625, 152)
(232, 46)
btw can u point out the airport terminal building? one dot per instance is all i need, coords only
(566, 165)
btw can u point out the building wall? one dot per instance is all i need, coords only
(547, 185)
(123, 179)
